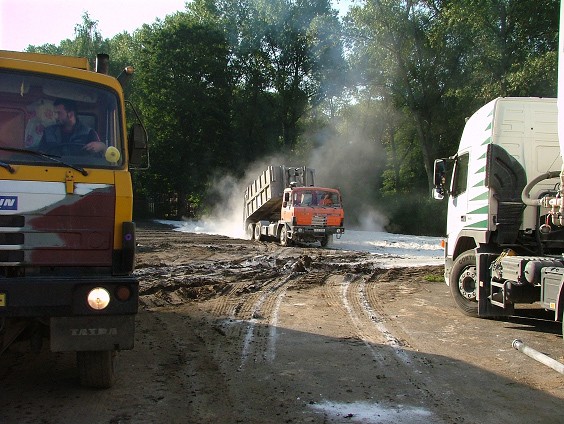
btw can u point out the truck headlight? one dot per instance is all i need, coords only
(98, 298)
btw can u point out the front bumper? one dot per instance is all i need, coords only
(316, 232)
(59, 297)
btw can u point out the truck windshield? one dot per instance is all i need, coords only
(316, 198)
(73, 121)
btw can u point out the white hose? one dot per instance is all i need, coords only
(536, 355)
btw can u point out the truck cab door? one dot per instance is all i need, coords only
(457, 201)
(287, 209)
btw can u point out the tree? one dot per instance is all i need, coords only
(285, 55)
(391, 45)
(88, 42)
(509, 47)
(185, 99)
(437, 61)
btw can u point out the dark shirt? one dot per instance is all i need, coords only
(80, 134)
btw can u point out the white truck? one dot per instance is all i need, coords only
(502, 249)
(505, 188)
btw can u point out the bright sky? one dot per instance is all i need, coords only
(38, 22)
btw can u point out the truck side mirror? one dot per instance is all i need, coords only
(138, 152)
(439, 180)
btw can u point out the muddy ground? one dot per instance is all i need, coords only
(233, 331)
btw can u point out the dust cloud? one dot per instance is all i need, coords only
(351, 164)
(354, 166)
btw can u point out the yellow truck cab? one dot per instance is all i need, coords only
(67, 239)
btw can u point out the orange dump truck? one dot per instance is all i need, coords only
(283, 204)
(67, 239)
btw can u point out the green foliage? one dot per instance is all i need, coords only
(87, 42)
(185, 99)
(434, 278)
(413, 213)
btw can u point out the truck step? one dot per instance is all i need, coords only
(498, 298)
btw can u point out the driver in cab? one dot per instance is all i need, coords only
(69, 130)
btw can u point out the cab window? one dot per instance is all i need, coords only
(460, 178)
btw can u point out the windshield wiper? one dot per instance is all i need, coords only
(43, 155)
(8, 167)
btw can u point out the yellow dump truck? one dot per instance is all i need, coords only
(67, 239)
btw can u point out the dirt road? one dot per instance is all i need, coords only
(231, 331)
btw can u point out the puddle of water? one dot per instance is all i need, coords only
(374, 413)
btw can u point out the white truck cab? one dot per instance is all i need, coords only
(507, 144)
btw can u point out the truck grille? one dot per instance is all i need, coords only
(12, 221)
(11, 243)
(319, 221)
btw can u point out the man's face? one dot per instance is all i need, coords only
(62, 115)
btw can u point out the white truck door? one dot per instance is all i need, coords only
(458, 201)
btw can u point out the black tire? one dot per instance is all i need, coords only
(258, 235)
(463, 283)
(251, 231)
(284, 240)
(326, 240)
(96, 368)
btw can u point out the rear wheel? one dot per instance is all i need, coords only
(463, 283)
(96, 368)
(284, 240)
(251, 231)
(258, 236)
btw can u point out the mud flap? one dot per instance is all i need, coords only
(88, 333)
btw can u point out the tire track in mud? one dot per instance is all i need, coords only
(254, 318)
(263, 308)
(274, 302)
(347, 294)
(252, 308)
(365, 319)
(251, 317)
(354, 295)
(256, 275)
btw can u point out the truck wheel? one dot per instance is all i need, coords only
(326, 240)
(251, 231)
(96, 368)
(284, 240)
(463, 283)
(258, 235)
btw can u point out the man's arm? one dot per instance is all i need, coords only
(95, 145)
